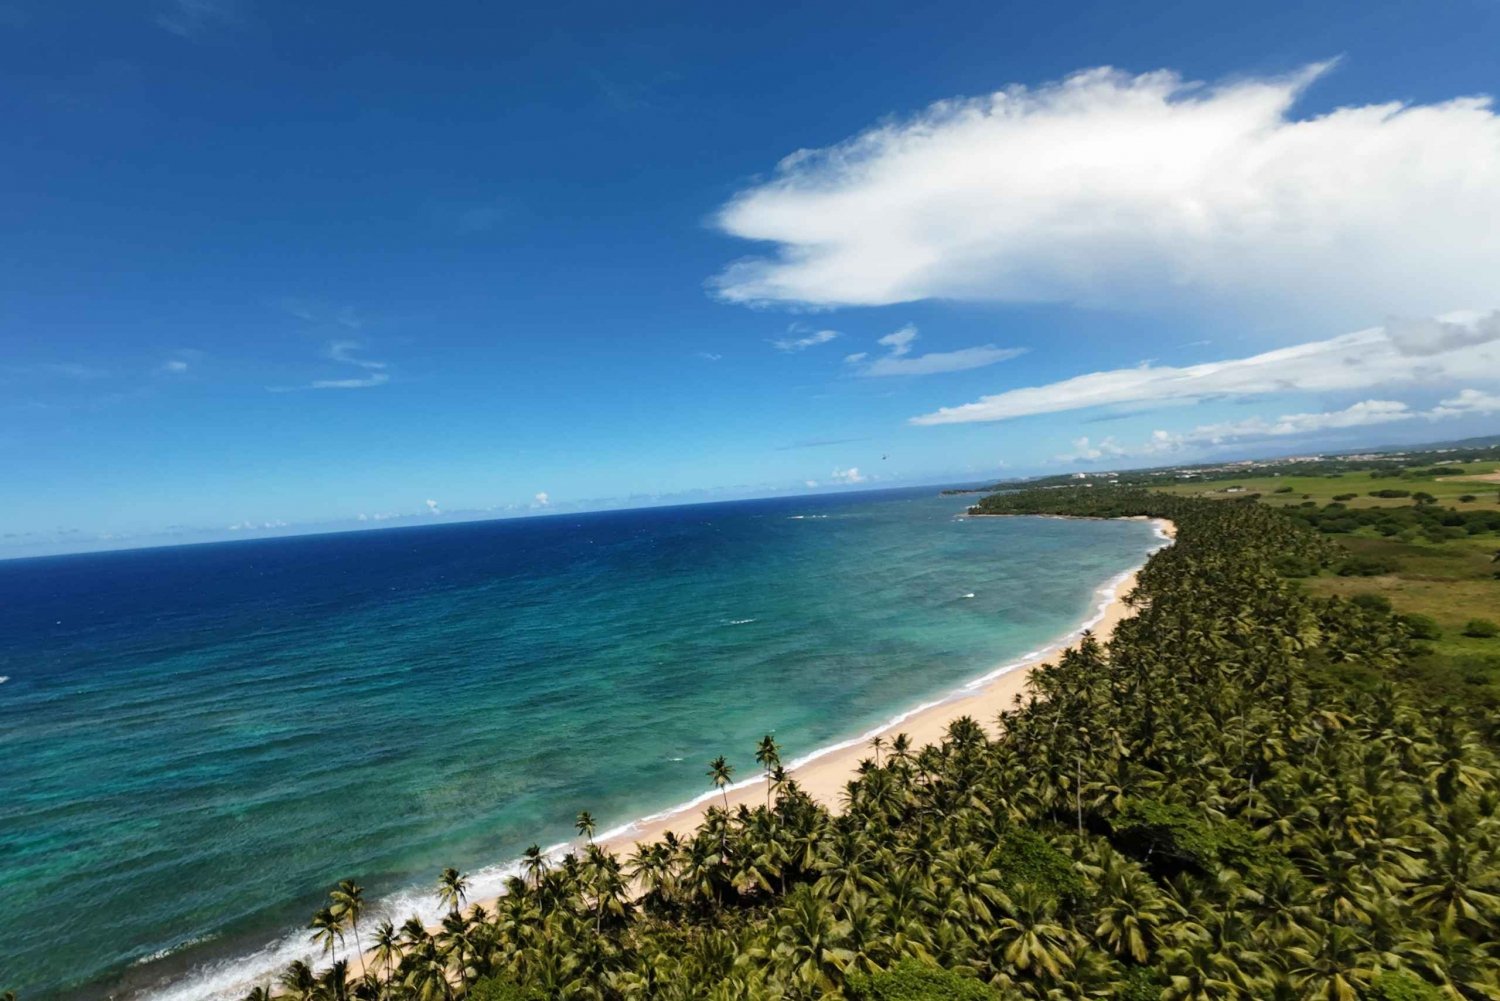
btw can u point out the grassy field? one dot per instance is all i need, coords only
(1449, 580)
(1323, 489)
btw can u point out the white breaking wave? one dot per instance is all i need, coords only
(738, 622)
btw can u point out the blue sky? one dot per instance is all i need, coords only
(284, 265)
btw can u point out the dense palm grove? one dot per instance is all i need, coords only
(1229, 801)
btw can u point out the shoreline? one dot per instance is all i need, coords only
(822, 773)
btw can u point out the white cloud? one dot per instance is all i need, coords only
(175, 366)
(343, 352)
(810, 483)
(1085, 450)
(1366, 413)
(804, 342)
(900, 341)
(1352, 362)
(1127, 190)
(541, 499)
(898, 359)
(432, 507)
(374, 379)
(1468, 401)
(190, 18)
(850, 475)
(709, 356)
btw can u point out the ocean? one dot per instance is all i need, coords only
(197, 742)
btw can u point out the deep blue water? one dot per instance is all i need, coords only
(196, 742)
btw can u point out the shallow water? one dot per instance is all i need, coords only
(198, 741)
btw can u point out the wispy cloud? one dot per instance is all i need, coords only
(817, 443)
(193, 18)
(323, 314)
(898, 359)
(800, 339)
(1150, 190)
(1394, 355)
(343, 352)
(848, 476)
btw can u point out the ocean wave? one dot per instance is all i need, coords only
(738, 622)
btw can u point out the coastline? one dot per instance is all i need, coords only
(822, 773)
(825, 772)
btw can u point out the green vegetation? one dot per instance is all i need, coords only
(1249, 794)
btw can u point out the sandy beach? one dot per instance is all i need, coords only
(828, 771)
(826, 774)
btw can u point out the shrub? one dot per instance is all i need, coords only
(1027, 857)
(1423, 627)
(1282, 490)
(913, 980)
(1344, 497)
(1141, 984)
(1398, 985)
(1170, 837)
(1390, 492)
(1467, 499)
(1372, 602)
(500, 989)
(1365, 566)
(1482, 629)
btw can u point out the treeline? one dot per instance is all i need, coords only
(1407, 522)
(1202, 810)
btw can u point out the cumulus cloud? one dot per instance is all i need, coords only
(541, 499)
(432, 507)
(898, 359)
(1085, 450)
(1353, 362)
(850, 475)
(1468, 401)
(1112, 189)
(805, 340)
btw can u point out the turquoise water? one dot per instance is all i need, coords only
(197, 742)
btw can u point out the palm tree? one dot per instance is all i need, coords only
(298, 981)
(768, 756)
(534, 864)
(720, 773)
(876, 743)
(585, 825)
(348, 905)
(387, 946)
(453, 886)
(327, 931)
